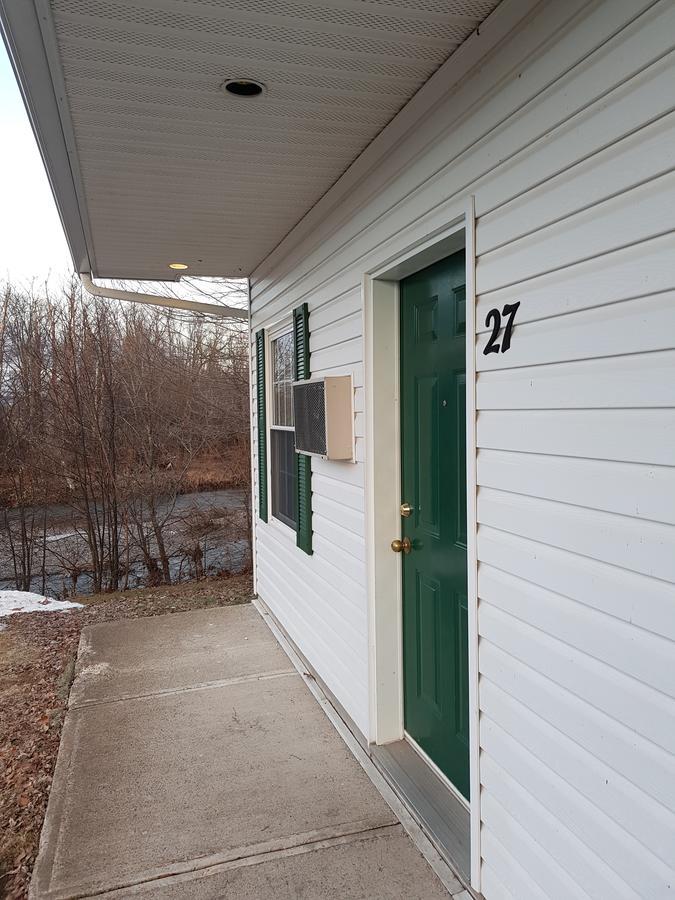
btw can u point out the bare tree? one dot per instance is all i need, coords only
(115, 411)
(23, 369)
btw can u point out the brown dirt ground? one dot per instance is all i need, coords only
(37, 660)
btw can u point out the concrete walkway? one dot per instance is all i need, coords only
(195, 763)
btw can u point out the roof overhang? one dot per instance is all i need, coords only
(150, 162)
(20, 25)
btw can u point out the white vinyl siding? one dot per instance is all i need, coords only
(321, 599)
(566, 138)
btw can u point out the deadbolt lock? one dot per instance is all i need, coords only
(406, 510)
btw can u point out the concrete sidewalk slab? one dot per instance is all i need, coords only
(381, 865)
(140, 656)
(194, 762)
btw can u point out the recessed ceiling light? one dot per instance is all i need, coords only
(243, 87)
(178, 266)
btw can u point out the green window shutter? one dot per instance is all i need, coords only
(303, 462)
(262, 424)
(301, 332)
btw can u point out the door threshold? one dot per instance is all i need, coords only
(442, 777)
(431, 799)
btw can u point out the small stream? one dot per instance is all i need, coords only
(221, 552)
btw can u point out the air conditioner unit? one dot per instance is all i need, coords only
(323, 411)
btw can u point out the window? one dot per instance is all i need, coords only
(282, 433)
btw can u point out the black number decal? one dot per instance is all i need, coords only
(509, 310)
(492, 346)
(494, 318)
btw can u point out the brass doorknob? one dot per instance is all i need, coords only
(404, 546)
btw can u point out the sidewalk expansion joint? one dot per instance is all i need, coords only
(191, 689)
(203, 867)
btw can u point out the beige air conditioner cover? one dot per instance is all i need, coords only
(323, 410)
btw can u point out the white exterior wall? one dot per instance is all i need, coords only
(566, 137)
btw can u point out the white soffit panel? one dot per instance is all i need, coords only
(173, 169)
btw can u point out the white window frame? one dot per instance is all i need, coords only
(280, 328)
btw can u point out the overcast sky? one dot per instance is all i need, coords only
(32, 244)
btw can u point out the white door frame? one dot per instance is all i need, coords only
(383, 492)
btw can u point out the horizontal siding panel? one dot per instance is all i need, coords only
(346, 615)
(626, 107)
(319, 292)
(638, 653)
(325, 304)
(322, 293)
(493, 884)
(334, 309)
(644, 492)
(348, 578)
(648, 822)
(502, 792)
(344, 472)
(351, 496)
(620, 167)
(625, 435)
(344, 354)
(520, 844)
(643, 601)
(339, 514)
(509, 872)
(349, 583)
(644, 709)
(639, 761)
(345, 541)
(644, 547)
(642, 270)
(639, 380)
(634, 216)
(326, 549)
(632, 326)
(639, 868)
(335, 333)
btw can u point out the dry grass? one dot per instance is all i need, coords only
(37, 657)
(231, 470)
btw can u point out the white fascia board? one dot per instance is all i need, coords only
(23, 36)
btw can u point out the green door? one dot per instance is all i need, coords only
(433, 467)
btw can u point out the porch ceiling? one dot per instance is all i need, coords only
(165, 166)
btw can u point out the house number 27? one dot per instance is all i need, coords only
(494, 320)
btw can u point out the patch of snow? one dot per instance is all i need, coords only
(24, 601)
